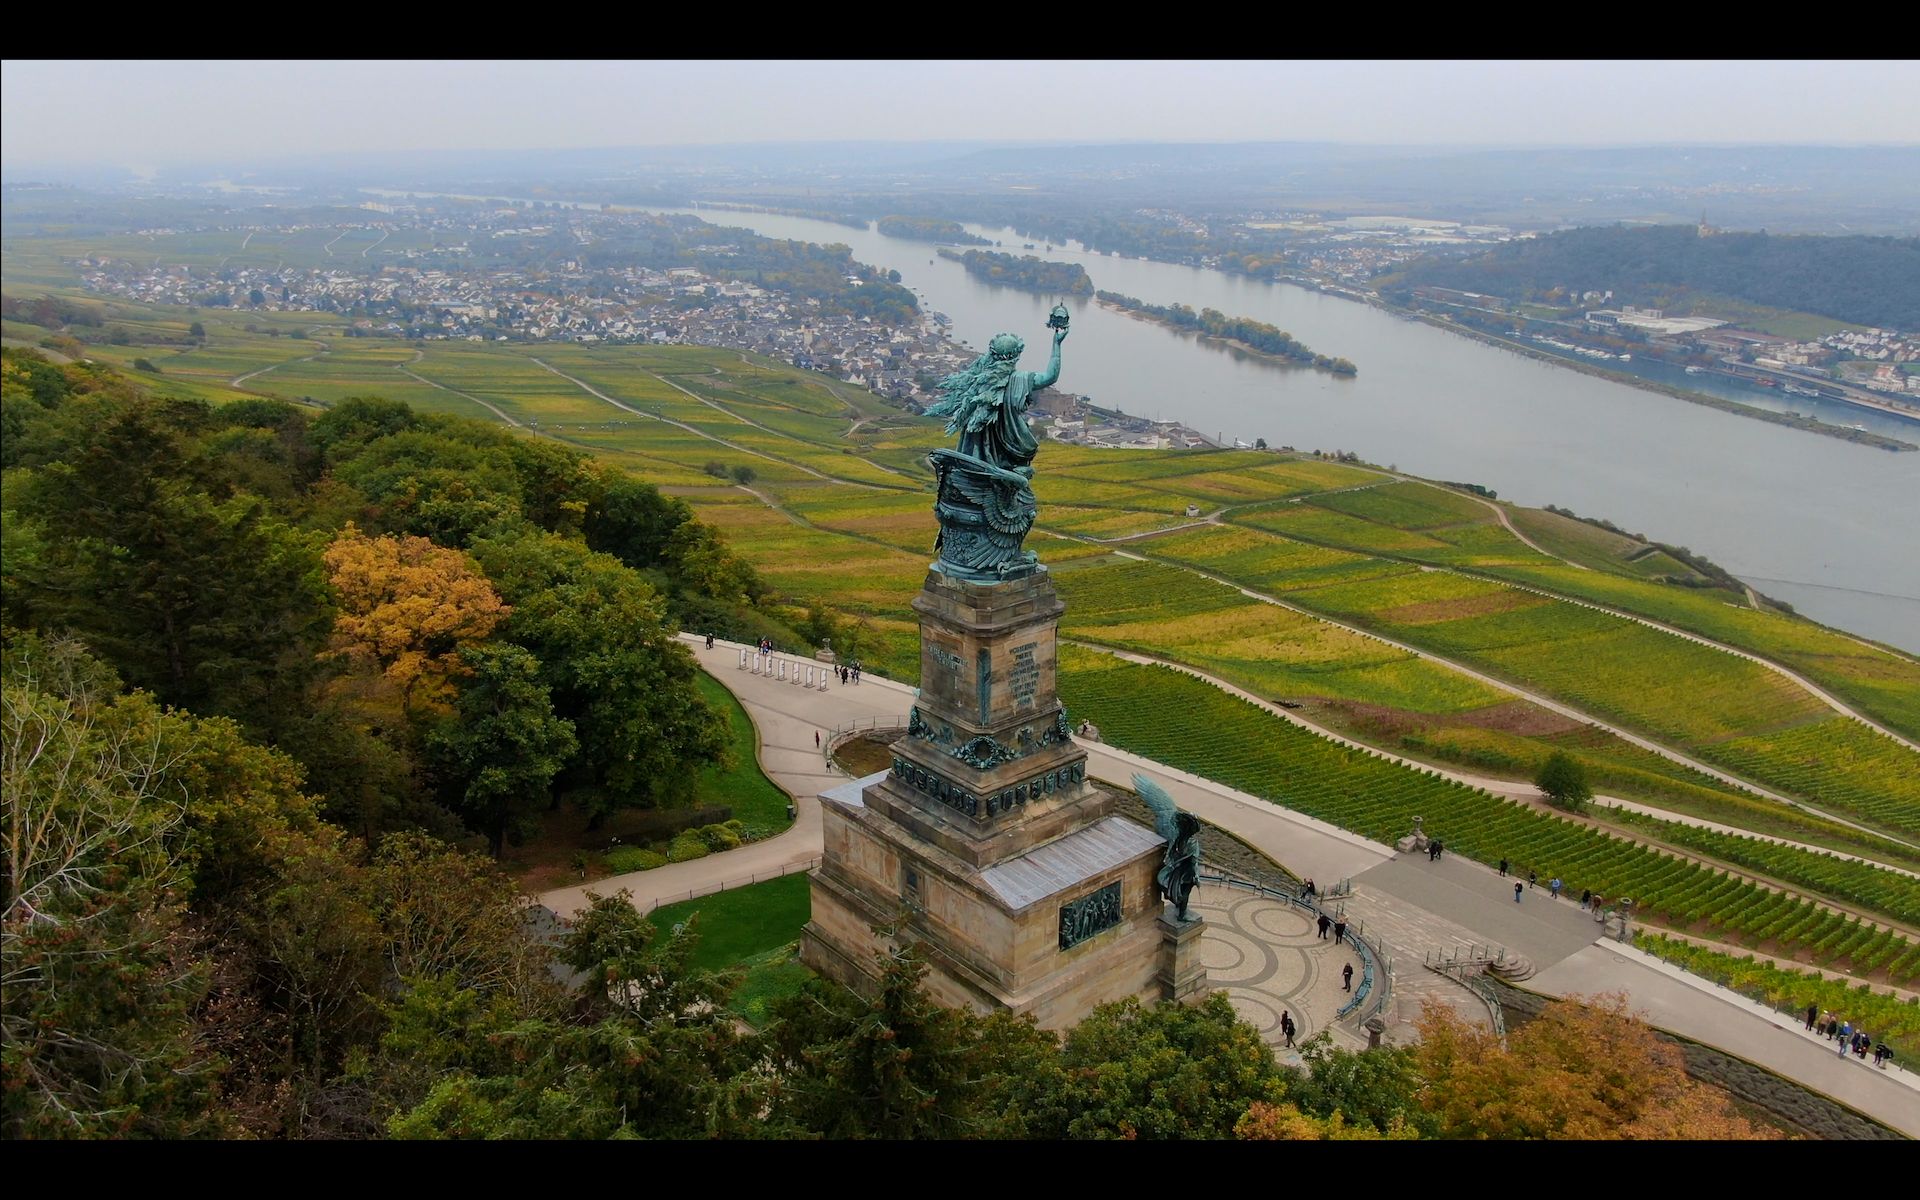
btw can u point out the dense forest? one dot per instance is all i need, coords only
(1257, 335)
(1026, 272)
(1865, 280)
(272, 676)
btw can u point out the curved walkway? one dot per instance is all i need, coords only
(1416, 905)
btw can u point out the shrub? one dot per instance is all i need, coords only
(142, 364)
(717, 469)
(633, 858)
(720, 837)
(686, 848)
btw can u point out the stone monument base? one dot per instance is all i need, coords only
(1069, 925)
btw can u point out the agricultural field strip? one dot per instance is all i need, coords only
(236, 382)
(1734, 830)
(1805, 684)
(403, 368)
(1514, 530)
(624, 407)
(1791, 676)
(1511, 689)
(720, 408)
(1531, 794)
(1153, 533)
(1731, 950)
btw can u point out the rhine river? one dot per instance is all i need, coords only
(1830, 527)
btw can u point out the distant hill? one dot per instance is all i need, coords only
(1865, 280)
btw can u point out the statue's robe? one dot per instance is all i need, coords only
(1002, 437)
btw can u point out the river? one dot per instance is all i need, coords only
(1825, 525)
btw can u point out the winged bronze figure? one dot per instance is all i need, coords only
(1180, 870)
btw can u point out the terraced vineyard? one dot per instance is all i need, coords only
(1882, 684)
(1407, 505)
(1158, 712)
(1856, 884)
(1888, 1016)
(1840, 764)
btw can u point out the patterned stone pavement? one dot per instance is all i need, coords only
(1268, 957)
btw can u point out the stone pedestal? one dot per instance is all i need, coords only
(985, 841)
(1183, 976)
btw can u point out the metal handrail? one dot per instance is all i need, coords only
(840, 734)
(1474, 981)
(744, 881)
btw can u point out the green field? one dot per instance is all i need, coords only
(1172, 718)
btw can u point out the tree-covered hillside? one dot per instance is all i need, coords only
(1866, 280)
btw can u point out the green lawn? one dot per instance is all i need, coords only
(743, 923)
(744, 787)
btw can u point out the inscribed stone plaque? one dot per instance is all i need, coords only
(1025, 677)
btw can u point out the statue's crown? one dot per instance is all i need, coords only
(1006, 346)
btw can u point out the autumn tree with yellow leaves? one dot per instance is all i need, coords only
(1585, 1070)
(407, 607)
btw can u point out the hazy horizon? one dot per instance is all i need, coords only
(152, 114)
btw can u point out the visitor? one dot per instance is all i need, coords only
(1882, 1055)
(1306, 890)
(1325, 923)
(1554, 885)
(1846, 1035)
(1340, 930)
(1533, 877)
(816, 739)
(1439, 848)
(1286, 1027)
(1826, 1023)
(1346, 978)
(1861, 1041)
(1503, 868)
(1433, 851)
(1833, 1027)
(1586, 898)
(1516, 893)
(1812, 1011)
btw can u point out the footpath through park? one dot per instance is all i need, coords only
(1411, 905)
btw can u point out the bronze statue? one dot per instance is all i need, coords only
(985, 500)
(1180, 870)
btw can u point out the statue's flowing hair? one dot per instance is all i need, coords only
(971, 392)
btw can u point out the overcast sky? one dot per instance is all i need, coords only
(157, 113)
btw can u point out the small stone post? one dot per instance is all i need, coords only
(743, 658)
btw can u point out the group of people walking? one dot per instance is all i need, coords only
(1847, 1038)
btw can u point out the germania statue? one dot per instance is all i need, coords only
(985, 500)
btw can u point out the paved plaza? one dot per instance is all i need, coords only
(1269, 958)
(1404, 902)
